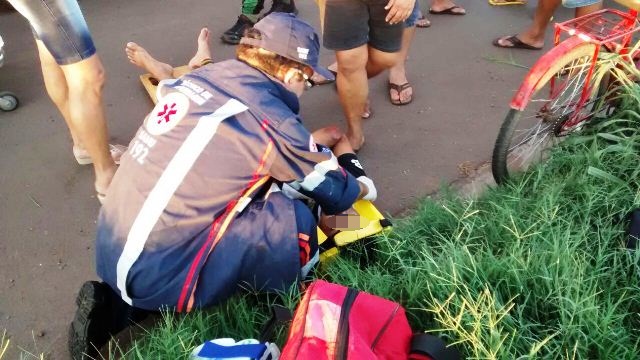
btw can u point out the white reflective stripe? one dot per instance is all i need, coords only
(316, 177)
(163, 191)
(242, 203)
(290, 191)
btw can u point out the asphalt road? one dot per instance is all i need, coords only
(47, 205)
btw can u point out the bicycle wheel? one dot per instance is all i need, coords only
(552, 112)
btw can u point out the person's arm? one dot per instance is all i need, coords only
(315, 174)
(348, 159)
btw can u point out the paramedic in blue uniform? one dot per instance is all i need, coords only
(205, 201)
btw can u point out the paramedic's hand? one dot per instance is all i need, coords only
(399, 10)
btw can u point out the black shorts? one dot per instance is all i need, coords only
(349, 24)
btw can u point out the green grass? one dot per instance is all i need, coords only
(536, 269)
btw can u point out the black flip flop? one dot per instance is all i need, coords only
(448, 11)
(515, 44)
(399, 89)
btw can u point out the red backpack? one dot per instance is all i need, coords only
(336, 322)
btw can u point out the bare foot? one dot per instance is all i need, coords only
(140, 57)
(327, 136)
(203, 52)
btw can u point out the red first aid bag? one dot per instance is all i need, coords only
(336, 322)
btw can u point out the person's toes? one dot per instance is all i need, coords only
(134, 51)
(204, 35)
(394, 95)
(406, 95)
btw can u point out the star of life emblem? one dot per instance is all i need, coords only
(167, 113)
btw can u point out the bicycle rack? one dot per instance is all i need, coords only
(600, 27)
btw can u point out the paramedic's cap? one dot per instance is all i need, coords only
(288, 36)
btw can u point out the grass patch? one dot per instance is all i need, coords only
(536, 269)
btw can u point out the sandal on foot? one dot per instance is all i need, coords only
(321, 80)
(449, 11)
(507, 2)
(366, 112)
(399, 89)
(515, 43)
(83, 158)
(423, 22)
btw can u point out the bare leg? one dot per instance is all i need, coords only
(140, 57)
(366, 112)
(398, 73)
(353, 90)
(203, 52)
(85, 80)
(56, 85)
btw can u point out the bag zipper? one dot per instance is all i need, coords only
(342, 339)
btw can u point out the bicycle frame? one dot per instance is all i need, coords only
(609, 27)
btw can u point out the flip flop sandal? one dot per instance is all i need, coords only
(399, 89)
(507, 2)
(83, 158)
(424, 20)
(448, 11)
(515, 44)
(367, 114)
(321, 80)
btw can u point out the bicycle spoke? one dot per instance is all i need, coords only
(558, 107)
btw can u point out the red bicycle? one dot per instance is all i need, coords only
(566, 87)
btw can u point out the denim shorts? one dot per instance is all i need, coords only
(413, 18)
(61, 27)
(349, 24)
(578, 3)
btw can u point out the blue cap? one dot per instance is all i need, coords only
(288, 36)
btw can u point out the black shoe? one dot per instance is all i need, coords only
(89, 331)
(280, 6)
(234, 34)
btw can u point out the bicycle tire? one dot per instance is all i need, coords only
(546, 129)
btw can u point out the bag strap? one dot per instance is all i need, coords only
(279, 316)
(429, 347)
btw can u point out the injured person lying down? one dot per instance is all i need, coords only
(208, 199)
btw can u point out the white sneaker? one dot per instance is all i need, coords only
(83, 158)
